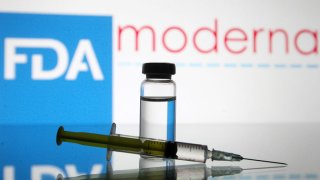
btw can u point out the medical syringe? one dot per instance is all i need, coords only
(150, 147)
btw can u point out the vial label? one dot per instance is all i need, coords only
(157, 117)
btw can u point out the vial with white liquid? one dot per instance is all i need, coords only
(158, 102)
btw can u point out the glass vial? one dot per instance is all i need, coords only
(158, 102)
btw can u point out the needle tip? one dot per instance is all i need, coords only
(266, 161)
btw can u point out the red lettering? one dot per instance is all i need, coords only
(255, 34)
(164, 39)
(137, 32)
(228, 39)
(235, 40)
(286, 39)
(213, 31)
(314, 34)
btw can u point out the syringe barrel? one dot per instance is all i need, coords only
(138, 145)
(120, 143)
(191, 152)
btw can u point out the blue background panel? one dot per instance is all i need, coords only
(32, 110)
(83, 100)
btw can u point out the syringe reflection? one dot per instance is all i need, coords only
(193, 171)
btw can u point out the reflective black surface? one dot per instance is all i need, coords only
(193, 171)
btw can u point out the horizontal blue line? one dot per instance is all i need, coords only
(294, 176)
(280, 66)
(262, 177)
(246, 177)
(311, 176)
(278, 177)
(213, 65)
(195, 65)
(180, 64)
(228, 177)
(296, 66)
(312, 66)
(263, 65)
(232, 65)
(246, 65)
